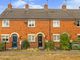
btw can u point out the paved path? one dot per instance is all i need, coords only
(41, 55)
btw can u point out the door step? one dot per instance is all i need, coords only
(41, 48)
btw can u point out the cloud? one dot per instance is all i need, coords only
(21, 4)
(73, 4)
(36, 6)
(2, 8)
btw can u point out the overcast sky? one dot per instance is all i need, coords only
(55, 4)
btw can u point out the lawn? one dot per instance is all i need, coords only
(39, 55)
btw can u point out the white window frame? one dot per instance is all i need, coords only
(5, 37)
(31, 37)
(57, 40)
(56, 23)
(4, 24)
(78, 35)
(30, 22)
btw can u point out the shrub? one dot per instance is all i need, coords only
(76, 45)
(64, 40)
(2, 46)
(78, 38)
(49, 45)
(25, 44)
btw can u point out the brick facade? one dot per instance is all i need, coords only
(20, 26)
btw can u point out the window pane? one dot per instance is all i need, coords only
(31, 38)
(31, 23)
(56, 23)
(5, 38)
(56, 37)
(5, 23)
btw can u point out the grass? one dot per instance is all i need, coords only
(39, 55)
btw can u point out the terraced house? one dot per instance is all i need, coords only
(38, 25)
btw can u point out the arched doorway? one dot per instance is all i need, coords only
(40, 40)
(14, 40)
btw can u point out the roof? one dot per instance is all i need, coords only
(39, 13)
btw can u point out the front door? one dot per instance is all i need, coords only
(14, 40)
(40, 41)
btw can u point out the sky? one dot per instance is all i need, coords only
(38, 4)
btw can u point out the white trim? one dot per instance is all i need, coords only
(31, 21)
(78, 34)
(40, 33)
(55, 23)
(56, 40)
(5, 35)
(4, 25)
(14, 33)
(56, 34)
(34, 37)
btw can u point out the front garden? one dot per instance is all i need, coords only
(65, 44)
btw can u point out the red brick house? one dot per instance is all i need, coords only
(38, 25)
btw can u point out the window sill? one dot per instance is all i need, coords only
(32, 42)
(56, 27)
(31, 26)
(78, 26)
(6, 42)
(4, 27)
(56, 40)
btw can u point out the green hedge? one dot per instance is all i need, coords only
(49, 45)
(25, 44)
(2, 46)
(64, 41)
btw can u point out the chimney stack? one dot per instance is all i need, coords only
(9, 6)
(26, 6)
(64, 7)
(46, 7)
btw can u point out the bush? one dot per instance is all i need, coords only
(76, 45)
(2, 46)
(64, 40)
(78, 38)
(49, 45)
(25, 44)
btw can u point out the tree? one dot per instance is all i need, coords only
(25, 44)
(64, 40)
(49, 45)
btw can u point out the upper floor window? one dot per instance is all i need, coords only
(56, 37)
(5, 23)
(56, 23)
(78, 22)
(31, 37)
(5, 37)
(31, 23)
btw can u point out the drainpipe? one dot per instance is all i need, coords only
(49, 29)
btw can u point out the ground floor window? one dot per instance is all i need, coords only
(31, 37)
(56, 37)
(5, 37)
(78, 36)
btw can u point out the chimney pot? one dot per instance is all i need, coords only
(26, 6)
(46, 6)
(10, 6)
(64, 7)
